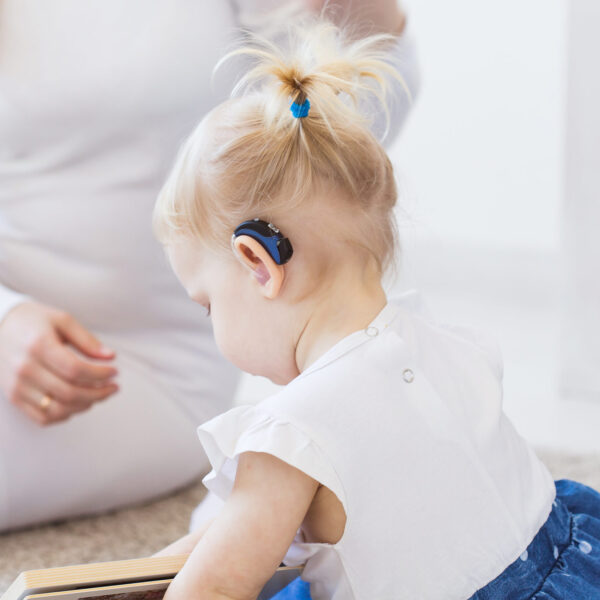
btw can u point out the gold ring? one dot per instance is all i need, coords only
(45, 402)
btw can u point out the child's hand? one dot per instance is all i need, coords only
(245, 544)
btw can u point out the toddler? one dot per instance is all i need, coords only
(385, 464)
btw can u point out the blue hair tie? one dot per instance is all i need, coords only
(300, 110)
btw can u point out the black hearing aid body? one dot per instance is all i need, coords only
(269, 237)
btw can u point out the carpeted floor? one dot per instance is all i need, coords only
(142, 530)
(127, 533)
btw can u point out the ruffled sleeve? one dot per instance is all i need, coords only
(253, 429)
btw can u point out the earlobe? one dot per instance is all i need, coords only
(265, 270)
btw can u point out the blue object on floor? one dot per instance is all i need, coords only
(297, 590)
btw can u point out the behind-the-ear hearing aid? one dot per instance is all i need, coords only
(269, 237)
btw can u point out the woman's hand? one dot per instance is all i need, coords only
(37, 362)
(383, 16)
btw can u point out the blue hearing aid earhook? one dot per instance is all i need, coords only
(269, 237)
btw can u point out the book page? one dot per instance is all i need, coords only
(150, 590)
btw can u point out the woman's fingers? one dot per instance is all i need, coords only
(39, 356)
(36, 414)
(29, 400)
(76, 334)
(74, 369)
(67, 393)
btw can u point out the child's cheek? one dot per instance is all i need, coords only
(229, 341)
(220, 336)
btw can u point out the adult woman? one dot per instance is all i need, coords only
(94, 100)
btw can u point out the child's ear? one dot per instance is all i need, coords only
(266, 271)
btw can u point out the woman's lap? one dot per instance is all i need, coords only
(133, 446)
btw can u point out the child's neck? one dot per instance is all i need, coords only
(348, 304)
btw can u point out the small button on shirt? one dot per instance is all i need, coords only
(403, 422)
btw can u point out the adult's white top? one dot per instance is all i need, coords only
(403, 422)
(95, 98)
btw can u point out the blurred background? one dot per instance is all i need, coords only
(486, 186)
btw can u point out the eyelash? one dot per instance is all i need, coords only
(208, 311)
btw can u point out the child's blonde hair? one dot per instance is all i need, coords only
(252, 158)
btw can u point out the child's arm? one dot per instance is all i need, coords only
(246, 542)
(185, 544)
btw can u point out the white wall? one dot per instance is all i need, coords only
(481, 166)
(480, 157)
(580, 344)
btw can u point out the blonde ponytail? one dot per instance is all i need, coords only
(252, 157)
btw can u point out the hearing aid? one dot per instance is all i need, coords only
(268, 236)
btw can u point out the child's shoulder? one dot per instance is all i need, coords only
(404, 351)
(404, 333)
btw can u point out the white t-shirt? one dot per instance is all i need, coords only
(403, 422)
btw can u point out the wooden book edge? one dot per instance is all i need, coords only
(98, 574)
(87, 575)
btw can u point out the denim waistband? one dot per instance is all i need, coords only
(526, 575)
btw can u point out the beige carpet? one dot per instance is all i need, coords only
(127, 533)
(142, 530)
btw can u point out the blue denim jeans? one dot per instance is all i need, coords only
(563, 560)
(561, 563)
